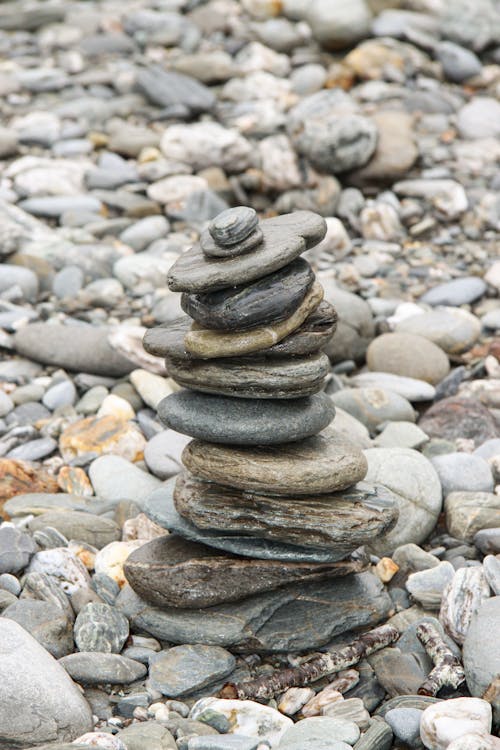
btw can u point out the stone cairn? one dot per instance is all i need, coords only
(271, 501)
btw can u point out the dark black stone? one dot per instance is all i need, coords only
(268, 300)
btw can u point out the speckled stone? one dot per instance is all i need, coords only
(173, 572)
(340, 522)
(285, 238)
(325, 463)
(100, 627)
(268, 300)
(246, 421)
(233, 225)
(262, 377)
(209, 344)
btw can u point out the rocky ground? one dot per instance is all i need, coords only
(126, 127)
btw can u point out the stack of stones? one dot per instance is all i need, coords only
(271, 498)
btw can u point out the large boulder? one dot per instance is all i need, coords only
(38, 700)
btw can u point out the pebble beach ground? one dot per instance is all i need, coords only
(126, 128)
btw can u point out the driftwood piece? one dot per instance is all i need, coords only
(310, 671)
(447, 670)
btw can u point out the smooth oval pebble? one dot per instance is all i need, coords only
(246, 421)
(324, 463)
(233, 225)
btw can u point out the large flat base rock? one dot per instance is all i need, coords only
(289, 619)
(170, 571)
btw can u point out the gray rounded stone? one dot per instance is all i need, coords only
(16, 549)
(184, 669)
(405, 723)
(38, 701)
(46, 622)
(97, 668)
(233, 225)
(323, 729)
(414, 481)
(81, 526)
(458, 63)
(455, 293)
(100, 627)
(374, 406)
(246, 421)
(463, 472)
(481, 651)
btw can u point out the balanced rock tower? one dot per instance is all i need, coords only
(270, 511)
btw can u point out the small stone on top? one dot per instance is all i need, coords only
(233, 225)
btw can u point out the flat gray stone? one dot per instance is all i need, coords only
(481, 651)
(409, 388)
(285, 238)
(374, 406)
(339, 522)
(80, 349)
(79, 525)
(455, 293)
(323, 729)
(147, 735)
(218, 419)
(96, 668)
(114, 479)
(38, 503)
(38, 701)
(463, 472)
(185, 669)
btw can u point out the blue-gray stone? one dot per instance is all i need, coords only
(455, 293)
(184, 669)
(405, 723)
(219, 419)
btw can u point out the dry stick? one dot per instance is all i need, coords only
(447, 670)
(319, 666)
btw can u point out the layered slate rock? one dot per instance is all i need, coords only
(262, 378)
(340, 521)
(173, 572)
(219, 419)
(161, 509)
(268, 519)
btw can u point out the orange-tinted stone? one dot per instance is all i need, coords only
(18, 477)
(102, 435)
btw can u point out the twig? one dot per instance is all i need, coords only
(319, 666)
(447, 670)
